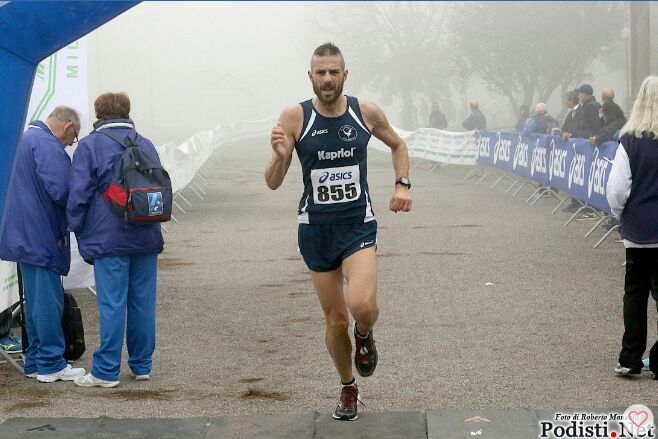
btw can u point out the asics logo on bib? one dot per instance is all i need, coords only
(318, 132)
(336, 185)
(333, 155)
(335, 176)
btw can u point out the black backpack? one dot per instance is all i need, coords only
(140, 191)
(74, 334)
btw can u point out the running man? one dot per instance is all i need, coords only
(337, 228)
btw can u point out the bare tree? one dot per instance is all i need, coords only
(524, 50)
(399, 50)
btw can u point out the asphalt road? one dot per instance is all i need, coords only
(486, 303)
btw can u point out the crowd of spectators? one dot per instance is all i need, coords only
(475, 120)
(586, 118)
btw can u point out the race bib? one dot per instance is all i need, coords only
(336, 185)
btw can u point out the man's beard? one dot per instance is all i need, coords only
(337, 92)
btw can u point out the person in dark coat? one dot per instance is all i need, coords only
(613, 121)
(590, 123)
(35, 235)
(615, 112)
(475, 120)
(437, 118)
(124, 256)
(574, 117)
(632, 191)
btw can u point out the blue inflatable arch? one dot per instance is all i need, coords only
(29, 33)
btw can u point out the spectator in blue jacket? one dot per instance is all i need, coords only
(124, 255)
(35, 235)
(632, 191)
(541, 122)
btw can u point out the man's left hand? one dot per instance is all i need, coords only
(401, 199)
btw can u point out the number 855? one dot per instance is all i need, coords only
(336, 192)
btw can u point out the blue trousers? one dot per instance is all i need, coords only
(44, 302)
(126, 292)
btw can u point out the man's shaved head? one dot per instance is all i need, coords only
(328, 49)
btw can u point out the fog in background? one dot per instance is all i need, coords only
(189, 66)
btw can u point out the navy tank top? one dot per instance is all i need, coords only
(333, 155)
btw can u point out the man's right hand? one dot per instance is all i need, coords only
(280, 142)
(283, 143)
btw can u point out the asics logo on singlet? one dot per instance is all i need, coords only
(347, 133)
(333, 155)
(318, 132)
(335, 176)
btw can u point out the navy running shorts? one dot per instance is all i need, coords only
(325, 246)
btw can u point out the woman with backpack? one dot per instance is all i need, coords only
(124, 254)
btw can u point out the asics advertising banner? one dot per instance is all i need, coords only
(574, 166)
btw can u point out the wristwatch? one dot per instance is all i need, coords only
(404, 181)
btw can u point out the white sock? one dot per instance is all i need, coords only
(358, 334)
(351, 383)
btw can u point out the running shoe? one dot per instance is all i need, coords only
(621, 370)
(67, 374)
(609, 224)
(645, 364)
(91, 381)
(365, 354)
(11, 344)
(347, 409)
(143, 377)
(589, 216)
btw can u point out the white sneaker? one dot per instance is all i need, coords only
(31, 375)
(91, 381)
(144, 377)
(622, 370)
(67, 374)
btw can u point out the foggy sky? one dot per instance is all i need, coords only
(193, 65)
(189, 66)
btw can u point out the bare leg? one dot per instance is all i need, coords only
(329, 288)
(360, 271)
